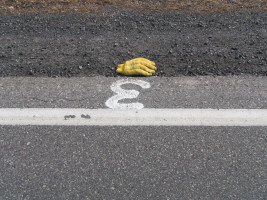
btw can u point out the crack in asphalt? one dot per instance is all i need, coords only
(54, 100)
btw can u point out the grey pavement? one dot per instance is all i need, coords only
(234, 92)
(41, 162)
(91, 162)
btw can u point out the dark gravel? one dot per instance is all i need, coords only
(90, 45)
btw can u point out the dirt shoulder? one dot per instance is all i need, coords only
(91, 6)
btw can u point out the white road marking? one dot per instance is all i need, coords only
(113, 102)
(144, 117)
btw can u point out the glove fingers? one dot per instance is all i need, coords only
(149, 65)
(141, 72)
(143, 60)
(146, 60)
(143, 67)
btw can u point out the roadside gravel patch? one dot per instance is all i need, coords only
(91, 45)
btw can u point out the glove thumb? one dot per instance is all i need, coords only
(120, 68)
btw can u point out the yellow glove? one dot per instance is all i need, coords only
(137, 66)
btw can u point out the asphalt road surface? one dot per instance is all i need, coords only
(133, 162)
(69, 61)
(92, 45)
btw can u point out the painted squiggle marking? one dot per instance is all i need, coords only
(126, 94)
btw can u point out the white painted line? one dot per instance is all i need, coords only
(144, 117)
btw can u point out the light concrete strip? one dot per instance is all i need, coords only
(223, 92)
(144, 117)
